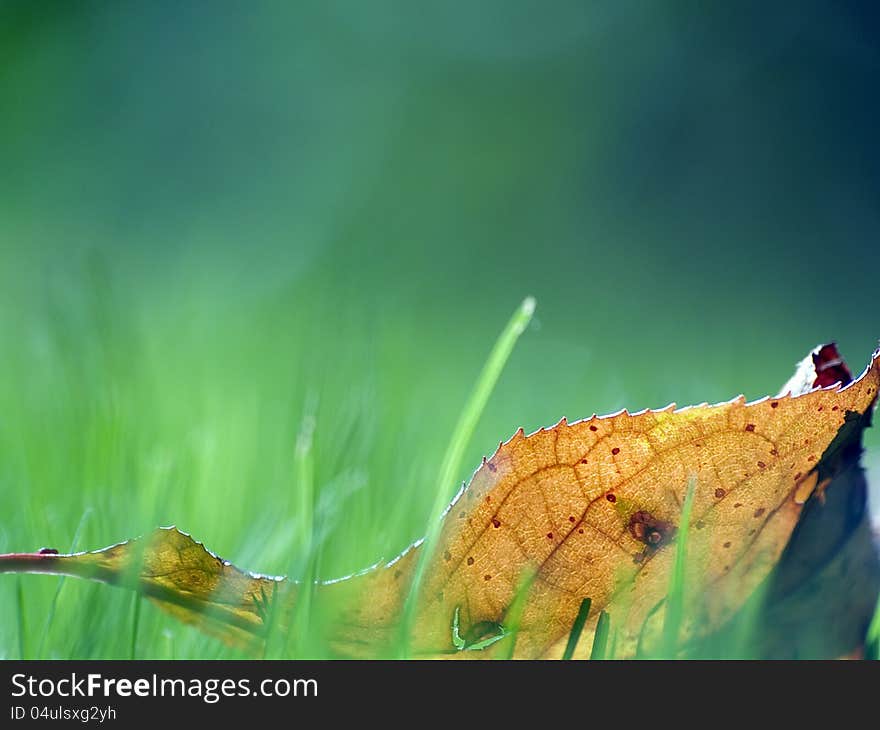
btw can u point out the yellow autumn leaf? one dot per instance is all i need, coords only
(592, 507)
(586, 510)
(176, 572)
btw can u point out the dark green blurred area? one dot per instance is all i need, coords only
(215, 218)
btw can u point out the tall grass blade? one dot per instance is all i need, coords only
(675, 597)
(451, 465)
(513, 619)
(600, 639)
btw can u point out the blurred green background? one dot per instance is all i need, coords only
(217, 219)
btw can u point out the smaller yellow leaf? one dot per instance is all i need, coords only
(175, 571)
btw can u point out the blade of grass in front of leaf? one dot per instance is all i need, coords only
(577, 628)
(452, 459)
(276, 640)
(513, 619)
(675, 597)
(600, 638)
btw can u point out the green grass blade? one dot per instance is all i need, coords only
(577, 628)
(600, 639)
(452, 460)
(513, 619)
(675, 597)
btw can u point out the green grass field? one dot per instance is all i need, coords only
(209, 252)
